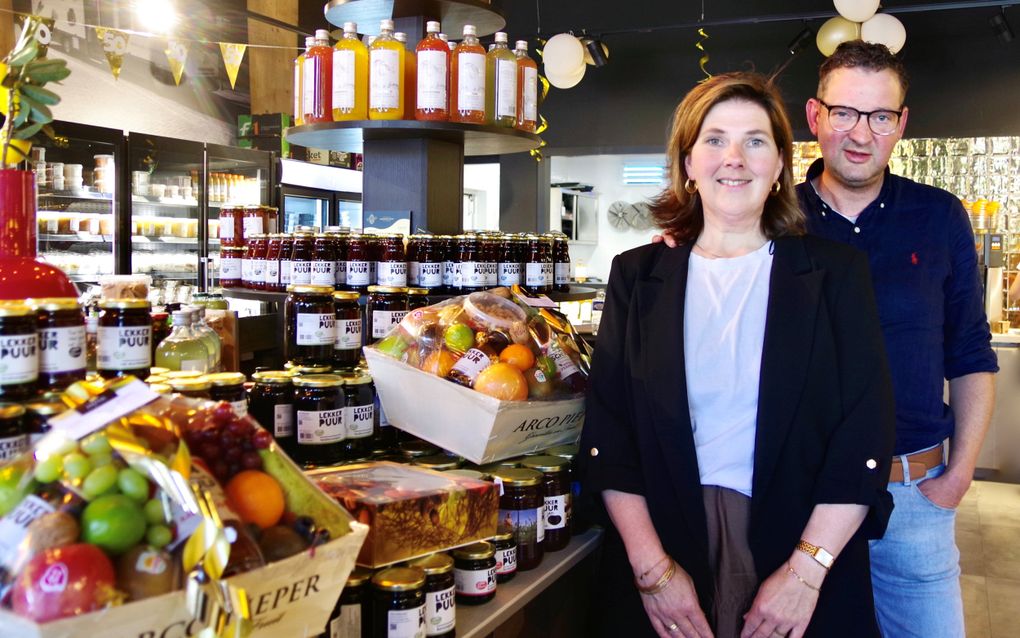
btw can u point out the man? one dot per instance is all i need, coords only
(924, 270)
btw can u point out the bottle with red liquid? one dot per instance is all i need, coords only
(301, 259)
(467, 80)
(272, 272)
(561, 264)
(433, 94)
(258, 261)
(317, 80)
(286, 249)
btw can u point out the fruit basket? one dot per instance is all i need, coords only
(142, 515)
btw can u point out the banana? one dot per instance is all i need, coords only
(303, 497)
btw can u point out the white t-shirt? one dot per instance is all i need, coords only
(724, 327)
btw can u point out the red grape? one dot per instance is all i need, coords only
(261, 439)
(251, 461)
(210, 452)
(223, 413)
(232, 454)
(220, 470)
(239, 428)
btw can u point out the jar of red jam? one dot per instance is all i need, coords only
(430, 262)
(520, 512)
(301, 259)
(350, 317)
(374, 243)
(488, 252)
(61, 342)
(508, 264)
(19, 351)
(254, 222)
(448, 250)
(247, 252)
(123, 338)
(286, 250)
(310, 320)
(469, 271)
(387, 306)
(391, 268)
(230, 267)
(231, 227)
(411, 254)
(260, 248)
(271, 218)
(340, 253)
(323, 261)
(272, 404)
(359, 274)
(556, 494)
(271, 274)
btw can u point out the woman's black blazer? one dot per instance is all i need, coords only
(825, 426)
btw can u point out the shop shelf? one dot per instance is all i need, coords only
(453, 14)
(478, 139)
(160, 274)
(77, 195)
(577, 293)
(255, 295)
(86, 278)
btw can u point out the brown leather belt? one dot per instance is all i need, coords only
(919, 463)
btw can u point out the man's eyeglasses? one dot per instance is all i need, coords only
(845, 118)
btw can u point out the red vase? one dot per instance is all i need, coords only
(22, 275)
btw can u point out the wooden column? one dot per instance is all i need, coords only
(271, 70)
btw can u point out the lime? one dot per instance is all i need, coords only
(113, 522)
(459, 337)
(392, 346)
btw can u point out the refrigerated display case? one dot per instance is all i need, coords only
(316, 195)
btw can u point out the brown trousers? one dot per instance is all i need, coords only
(729, 556)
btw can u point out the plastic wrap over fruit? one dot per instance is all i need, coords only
(495, 343)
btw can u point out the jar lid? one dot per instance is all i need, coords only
(306, 289)
(518, 478)
(388, 289)
(566, 451)
(181, 374)
(346, 295)
(475, 551)
(359, 577)
(357, 379)
(161, 388)
(274, 377)
(158, 370)
(232, 249)
(221, 379)
(417, 291)
(433, 565)
(15, 309)
(318, 381)
(438, 462)
(189, 385)
(399, 579)
(321, 236)
(472, 474)
(11, 411)
(46, 408)
(124, 304)
(416, 449)
(546, 463)
(55, 303)
(155, 378)
(508, 464)
(298, 370)
(502, 537)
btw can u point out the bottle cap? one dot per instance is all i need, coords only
(500, 36)
(310, 42)
(443, 37)
(386, 25)
(522, 45)
(432, 26)
(181, 317)
(350, 27)
(400, 36)
(469, 29)
(322, 34)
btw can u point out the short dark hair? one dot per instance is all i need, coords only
(858, 54)
(679, 212)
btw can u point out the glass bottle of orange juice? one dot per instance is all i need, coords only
(410, 76)
(317, 77)
(350, 76)
(299, 85)
(527, 89)
(432, 79)
(386, 76)
(467, 80)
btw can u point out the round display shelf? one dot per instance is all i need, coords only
(452, 14)
(478, 139)
(577, 293)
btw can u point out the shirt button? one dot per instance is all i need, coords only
(857, 229)
(594, 451)
(872, 464)
(882, 205)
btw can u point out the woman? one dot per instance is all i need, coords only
(740, 401)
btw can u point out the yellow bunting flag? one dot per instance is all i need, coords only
(232, 55)
(704, 59)
(114, 46)
(43, 34)
(177, 55)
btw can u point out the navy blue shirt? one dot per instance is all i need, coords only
(930, 296)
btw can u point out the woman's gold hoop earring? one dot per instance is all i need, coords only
(776, 188)
(691, 186)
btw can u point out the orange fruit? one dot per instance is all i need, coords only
(502, 381)
(256, 497)
(439, 362)
(518, 355)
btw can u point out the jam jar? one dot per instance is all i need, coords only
(374, 245)
(506, 556)
(449, 253)
(229, 387)
(254, 221)
(569, 453)
(386, 308)
(19, 351)
(271, 219)
(413, 244)
(340, 250)
(561, 264)
(536, 264)
(440, 595)
(301, 259)
(430, 262)
(556, 498)
(193, 388)
(520, 512)
(359, 275)
(231, 226)
(489, 256)
(323, 261)
(437, 462)
(350, 318)
(508, 266)
(350, 616)
(13, 434)
(286, 265)
(230, 266)
(416, 449)
(61, 342)
(247, 252)
(295, 370)
(123, 338)
(417, 298)
(272, 405)
(474, 570)
(359, 415)
(391, 268)
(310, 318)
(272, 273)
(259, 250)
(38, 415)
(398, 602)
(319, 401)
(468, 269)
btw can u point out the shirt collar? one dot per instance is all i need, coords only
(885, 196)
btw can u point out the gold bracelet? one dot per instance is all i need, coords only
(652, 568)
(661, 584)
(789, 568)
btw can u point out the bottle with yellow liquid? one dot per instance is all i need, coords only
(501, 84)
(386, 76)
(350, 76)
(410, 76)
(527, 89)
(299, 84)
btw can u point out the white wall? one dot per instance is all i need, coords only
(482, 180)
(605, 173)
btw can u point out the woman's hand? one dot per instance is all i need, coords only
(675, 612)
(783, 605)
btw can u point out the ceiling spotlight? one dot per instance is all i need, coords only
(803, 39)
(596, 52)
(156, 16)
(1001, 28)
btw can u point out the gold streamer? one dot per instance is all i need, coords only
(44, 32)
(177, 54)
(115, 45)
(704, 59)
(232, 54)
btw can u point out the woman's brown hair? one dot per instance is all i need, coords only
(679, 212)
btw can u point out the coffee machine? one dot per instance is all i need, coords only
(991, 262)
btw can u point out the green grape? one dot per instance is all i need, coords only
(133, 484)
(154, 513)
(96, 444)
(158, 536)
(101, 459)
(76, 466)
(49, 469)
(100, 481)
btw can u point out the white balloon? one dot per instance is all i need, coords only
(565, 80)
(885, 29)
(856, 10)
(563, 53)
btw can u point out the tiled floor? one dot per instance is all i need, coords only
(988, 534)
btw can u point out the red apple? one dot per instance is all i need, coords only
(63, 581)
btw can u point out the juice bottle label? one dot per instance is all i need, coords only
(509, 274)
(384, 77)
(561, 273)
(230, 268)
(340, 272)
(307, 88)
(470, 274)
(470, 82)
(322, 273)
(530, 94)
(506, 88)
(343, 79)
(430, 274)
(432, 80)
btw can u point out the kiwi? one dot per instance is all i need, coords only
(279, 542)
(144, 571)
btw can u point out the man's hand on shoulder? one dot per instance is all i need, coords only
(664, 237)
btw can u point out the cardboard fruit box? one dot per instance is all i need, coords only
(476, 426)
(411, 511)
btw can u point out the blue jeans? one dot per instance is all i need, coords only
(915, 567)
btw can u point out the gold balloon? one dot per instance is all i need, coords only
(835, 32)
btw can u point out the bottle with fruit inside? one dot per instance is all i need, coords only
(183, 349)
(501, 84)
(386, 75)
(527, 89)
(350, 76)
(467, 80)
(432, 91)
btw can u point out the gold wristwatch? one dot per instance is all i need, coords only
(820, 554)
